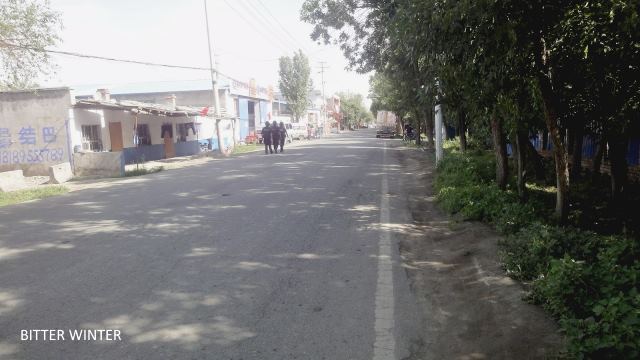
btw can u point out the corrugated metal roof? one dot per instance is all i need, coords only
(138, 107)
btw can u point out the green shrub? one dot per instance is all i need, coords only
(589, 282)
(458, 169)
(513, 216)
(596, 300)
(527, 254)
(486, 202)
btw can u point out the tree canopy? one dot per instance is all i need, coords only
(502, 68)
(295, 82)
(353, 110)
(27, 28)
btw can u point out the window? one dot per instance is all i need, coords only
(143, 137)
(183, 131)
(91, 138)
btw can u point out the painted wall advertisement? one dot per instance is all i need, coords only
(33, 130)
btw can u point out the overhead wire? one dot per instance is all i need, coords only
(282, 26)
(264, 22)
(106, 58)
(252, 25)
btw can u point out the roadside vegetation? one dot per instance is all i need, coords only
(19, 196)
(585, 274)
(243, 149)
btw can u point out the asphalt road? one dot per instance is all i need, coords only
(288, 256)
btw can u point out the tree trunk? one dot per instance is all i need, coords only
(417, 115)
(462, 130)
(619, 168)
(521, 145)
(535, 159)
(429, 128)
(597, 159)
(571, 136)
(500, 150)
(576, 154)
(545, 139)
(551, 119)
(559, 156)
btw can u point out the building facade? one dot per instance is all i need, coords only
(34, 130)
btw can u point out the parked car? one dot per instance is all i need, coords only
(297, 131)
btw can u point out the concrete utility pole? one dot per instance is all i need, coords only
(214, 81)
(324, 99)
(438, 130)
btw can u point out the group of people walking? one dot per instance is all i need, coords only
(273, 135)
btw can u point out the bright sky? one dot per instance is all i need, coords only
(246, 38)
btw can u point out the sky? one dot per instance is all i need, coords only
(247, 40)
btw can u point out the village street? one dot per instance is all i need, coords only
(332, 250)
(251, 257)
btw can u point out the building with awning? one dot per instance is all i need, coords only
(143, 131)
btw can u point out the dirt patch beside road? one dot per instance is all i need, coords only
(470, 308)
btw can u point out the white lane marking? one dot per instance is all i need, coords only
(385, 343)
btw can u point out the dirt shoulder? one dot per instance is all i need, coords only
(470, 308)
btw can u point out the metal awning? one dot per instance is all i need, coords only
(138, 107)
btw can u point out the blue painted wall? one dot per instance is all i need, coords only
(243, 113)
(264, 116)
(156, 152)
(143, 153)
(187, 148)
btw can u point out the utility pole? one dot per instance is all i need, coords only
(214, 82)
(439, 147)
(324, 99)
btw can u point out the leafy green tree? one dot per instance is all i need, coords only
(502, 68)
(295, 82)
(27, 28)
(354, 113)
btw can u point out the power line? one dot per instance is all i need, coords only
(69, 53)
(129, 61)
(281, 26)
(259, 17)
(252, 25)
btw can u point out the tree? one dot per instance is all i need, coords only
(295, 82)
(27, 28)
(353, 110)
(504, 69)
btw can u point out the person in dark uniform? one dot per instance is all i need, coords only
(266, 138)
(275, 136)
(283, 136)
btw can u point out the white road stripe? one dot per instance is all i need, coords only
(385, 343)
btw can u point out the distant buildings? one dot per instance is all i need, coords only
(46, 126)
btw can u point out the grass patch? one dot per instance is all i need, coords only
(143, 171)
(15, 197)
(243, 149)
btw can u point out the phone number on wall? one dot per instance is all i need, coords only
(31, 156)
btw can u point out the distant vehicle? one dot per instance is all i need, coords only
(386, 132)
(386, 119)
(289, 138)
(297, 131)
